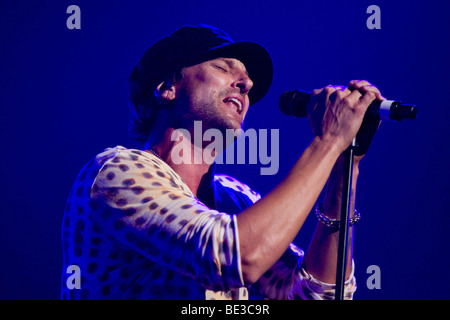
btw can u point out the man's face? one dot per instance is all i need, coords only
(215, 92)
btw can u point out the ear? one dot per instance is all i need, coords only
(165, 91)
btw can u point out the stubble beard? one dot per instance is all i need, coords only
(213, 114)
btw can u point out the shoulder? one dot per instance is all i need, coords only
(135, 167)
(124, 160)
(118, 153)
(238, 186)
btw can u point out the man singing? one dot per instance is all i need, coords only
(140, 225)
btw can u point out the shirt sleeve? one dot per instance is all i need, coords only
(287, 280)
(152, 211)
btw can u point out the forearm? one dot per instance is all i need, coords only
(268, 227)
(321, 258)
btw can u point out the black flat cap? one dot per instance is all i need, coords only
(191, 45)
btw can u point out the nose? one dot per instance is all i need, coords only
(243, 83)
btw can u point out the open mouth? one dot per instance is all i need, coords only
(236, 102)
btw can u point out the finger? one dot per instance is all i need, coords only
(330, 88)
(317, 92)
(358, 101)
(371, 88)
(367, 98)
(355, 82)
(353, 97)
(322, 95)
(329, 93)
(339, 94)
(318, 97)
(358, 85)
(365, 86)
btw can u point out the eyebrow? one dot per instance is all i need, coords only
(231, 63)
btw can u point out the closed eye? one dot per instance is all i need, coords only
(220, 68)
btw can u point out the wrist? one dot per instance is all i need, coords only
(334, 224)
(339, 167)
(334, 190)
(331, 145)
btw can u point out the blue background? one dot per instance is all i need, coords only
(63, 99)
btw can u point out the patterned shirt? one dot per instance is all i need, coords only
(136, 231)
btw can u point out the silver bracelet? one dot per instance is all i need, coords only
(334, 223)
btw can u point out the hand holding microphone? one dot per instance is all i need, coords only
(358, 107)
(294, 103)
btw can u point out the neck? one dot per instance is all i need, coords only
(182, 155)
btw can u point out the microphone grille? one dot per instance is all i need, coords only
(294, 103)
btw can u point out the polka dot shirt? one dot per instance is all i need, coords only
(136, 231)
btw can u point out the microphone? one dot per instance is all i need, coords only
(294, 103)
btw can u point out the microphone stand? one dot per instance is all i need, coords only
(344, 224)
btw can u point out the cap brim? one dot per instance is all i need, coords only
(257, 61)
